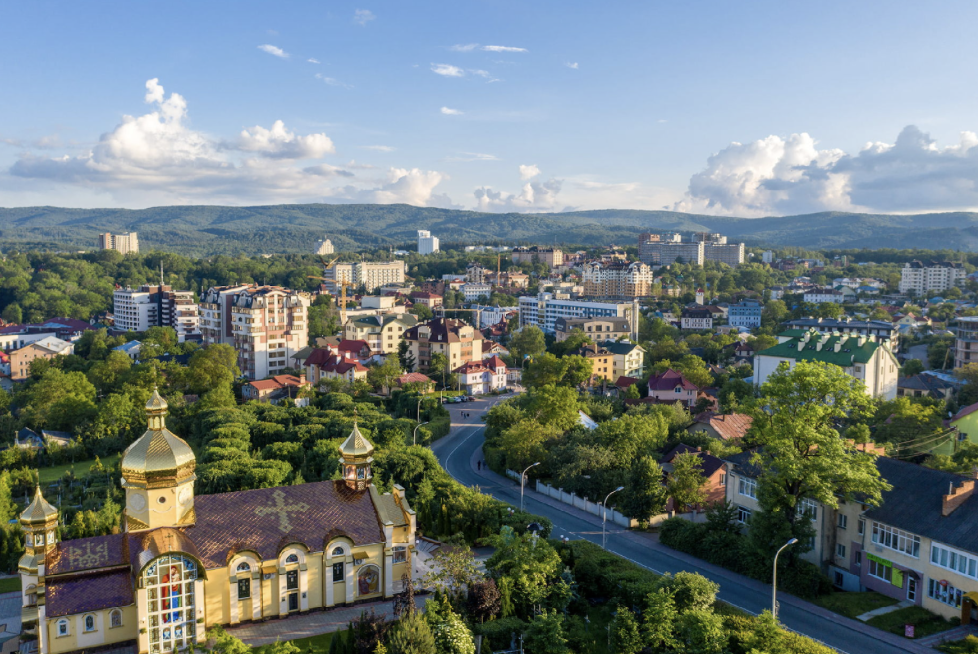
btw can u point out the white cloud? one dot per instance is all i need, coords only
(332, 81)
(502, 48)
(279, 143)
(534, 197)
(451, 112)
(404, 186)
(529, 172)
(468, 47)
(480, 73)
(272, 50)
(787, 176)
(473, 156)
(363, 16)
(312, 61)
(378, 148)
(447, 70)
(572, 64)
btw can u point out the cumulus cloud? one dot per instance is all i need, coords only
(312, 60)
(776, 176)
(502, 48)
(451, 112)
(272, 50)
(529, 172)
(279, 143)
(156, 158)
(473, 156)
(331, 81)
(378, 148)
(447, 70)
(534, 196)
(363, 16)
(572, 64)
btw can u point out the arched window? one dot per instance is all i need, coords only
(171, 612)
(337, 551)
(292, 558)
(62, 627)
(89, 623)
(243, 567)
(115, 619)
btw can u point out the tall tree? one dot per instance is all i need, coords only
(686, 484)
(645, 494)
(529, 341)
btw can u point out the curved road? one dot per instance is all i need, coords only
(459, 452)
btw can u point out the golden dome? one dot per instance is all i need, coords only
(158, 458)
(39, 511)
(356, 447)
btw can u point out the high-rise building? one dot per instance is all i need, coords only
(767, 257)
(324, 247)
(618, 280)
(919, 277)
(965, 331)
(550, 256)
(427, 244)
(156, 306)
(665, 249)
(371, 274)
(266, 325)
(544, 309)
(122, 243)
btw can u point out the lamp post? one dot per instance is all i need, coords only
(419, 409)
(604, 513)
(774, 580)
(420, 424)
(523, 482)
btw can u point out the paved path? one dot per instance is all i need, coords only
(883, 610)
(462, 448)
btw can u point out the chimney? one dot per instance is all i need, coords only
(838, 346)
(818, 346)
(801, 345)
(956, 496)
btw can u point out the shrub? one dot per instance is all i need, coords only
(499, 632)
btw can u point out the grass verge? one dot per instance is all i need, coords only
(853, 605)
(926, 623)
(54, 473)
(9, 584)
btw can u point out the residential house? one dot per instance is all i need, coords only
(746, 313)
(628, 358)
(965, 426)
(925, 386)
(714, 471)
(456, 339)
(493, 348)
(732, 426)
(382, 333)
(864, 358)
(480, 377)
(602, 361)
(696, 319)
(130, 349)
(671, 386)
(422, 383)
(820, 295)
(45, 348)
(430, 300)
(328, 363)
(274, 389)
(597, 329)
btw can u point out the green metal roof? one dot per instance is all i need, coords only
(849, 353)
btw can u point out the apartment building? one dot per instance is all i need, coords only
(550, 256)
(628, 359)
(382, 332)
(122, 243)
(918, 277)
(716, 248)
(427, 244)
(881, 329)
(472, 291)
(370, 274)
(746, 313)
(666, 249)
(617, 280)
(597, 329)
(44, 348)
(864, 357)
(544, 309)
(156, 306)
(602, 362)
(266, 325)
(965, 330)
(459, 341)
(696, 319)
(324, 247)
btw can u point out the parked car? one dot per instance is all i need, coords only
(471, 398)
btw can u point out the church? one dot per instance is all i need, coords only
(184, 563)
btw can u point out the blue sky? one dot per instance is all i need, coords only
(746, 108)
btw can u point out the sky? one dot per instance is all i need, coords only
(728, 108)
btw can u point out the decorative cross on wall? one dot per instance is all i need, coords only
(283, 510)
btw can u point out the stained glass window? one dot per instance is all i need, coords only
(169, 584)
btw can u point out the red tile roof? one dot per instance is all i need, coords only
(494, 362)
(276, 382)
(734, 425)
(669, 380)
(347, 345)
(91, 591)
(625, 382)
(413, 378)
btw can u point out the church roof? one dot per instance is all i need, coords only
(159, 457)
(81, 554)
(91, 591)
(39, 510)
(355, 445)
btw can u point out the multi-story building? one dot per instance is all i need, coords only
(44, 348)
(618, 280)
(476, 274)
(324, 247)
(382, 332)
(457, 340)
(473, 291)
(767, 257)
(628, 359)
(918, 277)
(122, 243)
(665, 249)
(695, 319)
(507, 279)
(550, 256)
(602, 362)
(881, 329)
(820, 295)
(544, 309)
(370, 274)
(430, 300)
(483, 376)
(716, 248)
(156, 306)
(746, 313)
(965, 340)
(427, 244)
(863, 357)
(597, 329)
(266, 325)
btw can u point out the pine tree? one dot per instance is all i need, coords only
(624, 632)
(412, 635)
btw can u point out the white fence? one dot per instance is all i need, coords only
(582, 503)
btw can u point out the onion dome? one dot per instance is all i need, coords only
(159, 458)
(356, 448)
(39, 511)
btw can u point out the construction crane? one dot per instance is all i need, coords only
(342, 283)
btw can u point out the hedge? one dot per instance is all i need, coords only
(499, 632)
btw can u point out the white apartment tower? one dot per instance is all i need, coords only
(371, 274)
(427, 244)
(156, 306)
(919, 277)
(266, 325)
(324, 247)
(122, 243)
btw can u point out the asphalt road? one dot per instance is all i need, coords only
(462, 448)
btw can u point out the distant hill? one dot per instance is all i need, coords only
(208, 230)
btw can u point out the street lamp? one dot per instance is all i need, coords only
(774, 580)
(604, 513)
(420, 424)
(523, 481)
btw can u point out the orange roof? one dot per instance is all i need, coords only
(734, 425)
(276, 382)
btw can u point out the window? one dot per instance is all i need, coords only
(880, 570)
(838, 578)
(89, 623)
(115, 619)
(62, 627)
(808, 507)
(244, 588)
(400, 554)
(840, 551)
(743, 515)
(337, 551)
(292, 558)
(292, 580)
(861, 527)
(843, 521)
(944, 592)
(338, 572)
(723, 479)
(859, 557)
(748, 487)
(896, 539)
(243, 567)
(171, 613)
(954, 560)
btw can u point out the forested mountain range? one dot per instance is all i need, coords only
(208, 230)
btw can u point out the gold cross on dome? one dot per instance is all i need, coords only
(283, 510)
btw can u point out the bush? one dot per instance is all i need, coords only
(967, 645)
(602, 575)
(499, 632)
(439, 427)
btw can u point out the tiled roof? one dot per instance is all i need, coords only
(349, 345)
(965, 411)
(88, 554)
(278, 381)
(494, 362)
(734, 425)
(710, 463)
(625, 382)
(413, 377)
(669, 380)
(850, 351)
(90, 591)
(620, 347)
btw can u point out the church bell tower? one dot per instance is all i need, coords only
(356, 453)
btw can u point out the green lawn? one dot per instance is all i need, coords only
(852, 605)
(968, 645)
(311, 645)
(9, 584)
(54, 473)
(927, 623)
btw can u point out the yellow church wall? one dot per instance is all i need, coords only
(216, 597)
(104, 634)
(315, 585)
